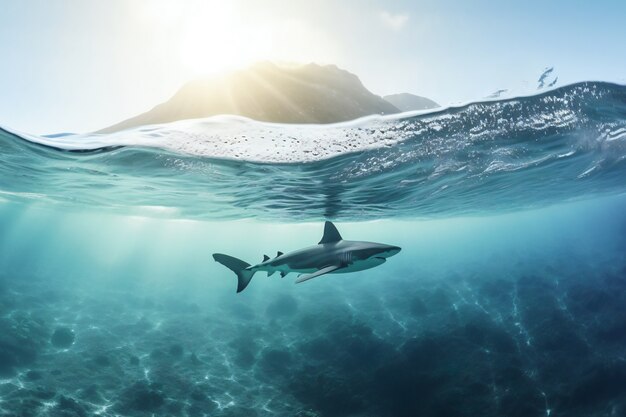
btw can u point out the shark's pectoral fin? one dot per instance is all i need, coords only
(270, 273)
(326, 270)
(283, 273)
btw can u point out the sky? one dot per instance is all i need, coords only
(81, 65)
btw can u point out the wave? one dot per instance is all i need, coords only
(498, 155)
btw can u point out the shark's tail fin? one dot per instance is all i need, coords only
(238, 267)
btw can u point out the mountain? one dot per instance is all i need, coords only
(408, 102)
(268, 92)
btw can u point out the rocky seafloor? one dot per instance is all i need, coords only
(547, 340)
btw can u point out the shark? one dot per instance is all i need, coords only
(332, 255)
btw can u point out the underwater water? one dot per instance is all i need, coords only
(507, 299)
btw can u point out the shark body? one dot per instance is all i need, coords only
(330, 256)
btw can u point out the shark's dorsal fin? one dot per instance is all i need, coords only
(278, 253)
(265, 258)
(331, 234)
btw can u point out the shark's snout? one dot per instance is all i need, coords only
(387, 251)
(393, 250)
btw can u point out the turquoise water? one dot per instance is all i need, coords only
(506, 300)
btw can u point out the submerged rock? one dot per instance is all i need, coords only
(69, 407)
(63, 337)
(275, 361)
(33, 375)
(193, 358)
(102, 361)
(21, 339)
(141, 396)
(92, 394)
(43, 393)
(176, 350)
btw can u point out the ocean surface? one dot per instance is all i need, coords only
(507, 299)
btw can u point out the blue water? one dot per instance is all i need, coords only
(508, 298)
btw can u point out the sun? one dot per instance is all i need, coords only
(220, 35)
(215, 37)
